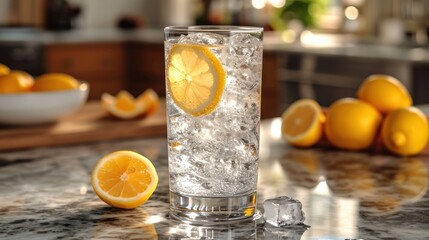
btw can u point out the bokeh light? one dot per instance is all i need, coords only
(259, 4)
(288, 36)
(307, 37)
(278, 3)
(351, 13)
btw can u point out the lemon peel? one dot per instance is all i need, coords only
(384, 92)
(405, 131)
(125, 106)
(352, 124)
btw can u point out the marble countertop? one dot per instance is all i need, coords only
(45, 193)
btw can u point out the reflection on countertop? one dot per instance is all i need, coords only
(46, 194)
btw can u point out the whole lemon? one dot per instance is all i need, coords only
(405, 131)
(4, 70)
(16, 82)
(352, 124)
(55, 82)
(384, 92)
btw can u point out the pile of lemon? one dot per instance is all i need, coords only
(382, 111)
(16, 81)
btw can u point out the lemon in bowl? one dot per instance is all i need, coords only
(55, 82)
(15, 82)
(44, 104)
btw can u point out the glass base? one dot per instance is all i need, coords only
(212, 210)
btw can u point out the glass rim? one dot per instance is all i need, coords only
(214, 29)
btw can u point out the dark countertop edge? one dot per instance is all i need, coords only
(83, 36)
(374, 50)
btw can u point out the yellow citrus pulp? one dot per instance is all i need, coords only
(384, 92)
(149, 99)
(16, 82)
(195, 78)
(124, 179)
(125, 106)
(55, 82)
(4, 70)
(352, 124)
(405, 131)
(302, 123)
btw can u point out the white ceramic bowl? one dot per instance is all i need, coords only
(41, 107)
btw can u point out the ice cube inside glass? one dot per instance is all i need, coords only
(213, 94)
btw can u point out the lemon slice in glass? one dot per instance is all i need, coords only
(195, 78)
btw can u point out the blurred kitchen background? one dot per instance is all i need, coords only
(322, 49)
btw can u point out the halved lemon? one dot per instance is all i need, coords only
(124, 179)
(125, 106)
(302, 123)
(195, 78)
(149, 99)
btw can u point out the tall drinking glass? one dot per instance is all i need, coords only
(213, 94)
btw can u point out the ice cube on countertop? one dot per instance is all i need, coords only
(283, 211)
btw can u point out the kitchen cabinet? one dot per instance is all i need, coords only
(328, 78)
(102, 65)
(420, 83)
(146, 67)
(270, 102)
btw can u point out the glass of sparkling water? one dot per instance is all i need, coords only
(213, 94)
